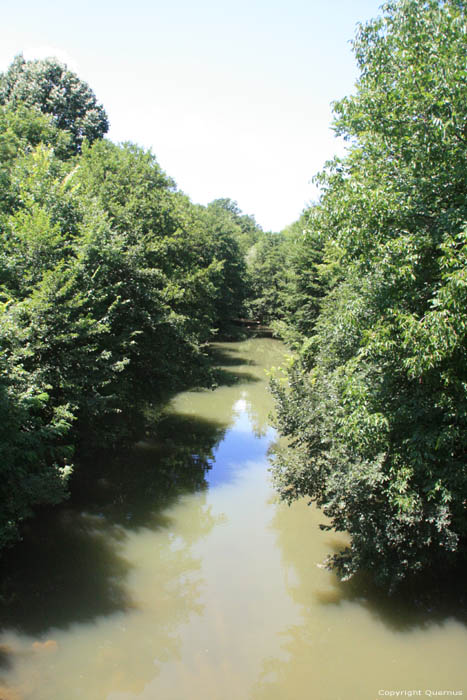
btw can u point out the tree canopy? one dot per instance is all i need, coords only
(49, 86)
(111, 284)
(376, 408)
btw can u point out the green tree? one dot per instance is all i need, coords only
(378, 416)
(225, 245)
(34, 450)
(266, 277)
(111, 284)
(301, 284)
(22, 129)
(169, 293)
(50, 87)
(248, 231)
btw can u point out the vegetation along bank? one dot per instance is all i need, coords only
(113, 283)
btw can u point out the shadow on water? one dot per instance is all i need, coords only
(225, 377)
(334, 649)
(135, 487)
(75, 564)
(419, 603)
(5, 659)
(229, 357)
(66, 570)
(69, 567)
(226, 370)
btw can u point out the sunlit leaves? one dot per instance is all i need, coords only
(111, 284)
(385, 405)
(50, 87)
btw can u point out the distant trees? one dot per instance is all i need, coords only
(248, 231)
(285, 286)
(266, 272)
(376, 405)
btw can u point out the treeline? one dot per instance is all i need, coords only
(284, 282)
(371, 289)
(111, 282)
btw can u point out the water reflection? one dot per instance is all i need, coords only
(352, 639)
(245, 364)
(240, 445)
(175, 574)
(125, 649)
(132, 490)
(419, 604)
(70, 566)
(114, 576)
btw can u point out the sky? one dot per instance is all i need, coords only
(232, 96)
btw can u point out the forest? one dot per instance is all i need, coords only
(113, 284)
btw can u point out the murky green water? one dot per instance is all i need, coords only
(182, 578)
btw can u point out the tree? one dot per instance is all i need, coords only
(378, 416)
(248, 232)
(111, 284)
(225, 235)
(50, 87)
(301, 287)
(266, 272)
(34, 449)
(22, 129)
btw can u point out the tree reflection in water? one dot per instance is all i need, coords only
(77, 565)
(120, 578)
(353, 639)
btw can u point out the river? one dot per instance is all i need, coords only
(175, 574)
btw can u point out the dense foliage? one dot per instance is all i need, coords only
(111, 283)
(47, 85)
(284, 283)
(376, 407)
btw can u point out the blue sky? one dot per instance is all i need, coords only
(233, 97)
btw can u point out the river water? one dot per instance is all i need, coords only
(174, 574)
